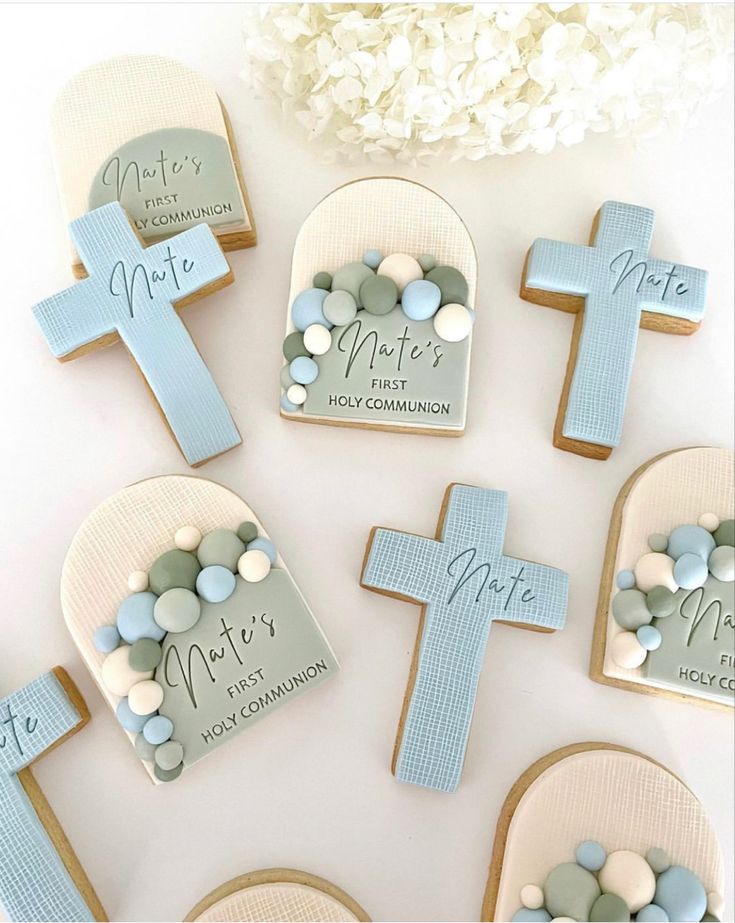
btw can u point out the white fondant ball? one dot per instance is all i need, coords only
(627, 651)
(532, 897)
(187, 538)
(453, 323)
(145, 697)
(627, 874)
(402, 269)
(708, 521)
(655, 569)
(254, 566)
(296, 394)
(317, 339)
(117, 674)
(138, 581)
(715, 901)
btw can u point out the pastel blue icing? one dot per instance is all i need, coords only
(616, 277)
(215, 583)
(421, 299)
(681, 894)
(128, 719)
(649, 637)
(158, 729)
(266, 545)
(525, 915)
(625, 580)
(34, 882)
(131, 290)
(304, 370)
(372, 258)
(106, 638)
(690, 571)
(591, 855)
(307, 309)
(287, 405)
(135, 618)
(652, 913)
(690, 539)
(465, 582)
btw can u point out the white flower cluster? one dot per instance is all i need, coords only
(414, 81)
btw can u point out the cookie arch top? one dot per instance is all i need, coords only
(389, 213)
(114, 101)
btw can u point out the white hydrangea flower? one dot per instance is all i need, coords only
(408, 82)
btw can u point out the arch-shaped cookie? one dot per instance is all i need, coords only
(277, 894)
(154, 131)
(595, 791)
(392, 215)
(668, 491)
(127, 533)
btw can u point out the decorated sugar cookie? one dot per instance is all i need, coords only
(152, 134)
(133, 293)
(597, 832)
(40, 877)
(381, 310)
(277, 894)
(188, 619)
(464, 581)
(614, 287)
(665, 617)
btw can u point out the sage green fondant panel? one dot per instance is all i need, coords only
(171, 179)
(696, 655)
(245, 657)
(389, 369)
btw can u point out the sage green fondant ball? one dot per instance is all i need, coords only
(247, 532)
(658, 542)
(168, 775)
(293, 346)
(323, 280)
(174, 568)
(725, 533)
(630, 610)
(452, 283)
(340, 308)
(220, 547)
(144, 750)
(658, 859)
(169, 755)
(349, 279)
(609, 908)
(286, 380)
(570, 891)
(426, 261)
(145, 655)
(379, 295)
(661, 602)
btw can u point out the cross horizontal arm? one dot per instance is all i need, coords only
(74, 318)
(400, 564)
(680, 290)
(192, 260)
(535, 594)
(555, 266)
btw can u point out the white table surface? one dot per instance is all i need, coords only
(310, 787)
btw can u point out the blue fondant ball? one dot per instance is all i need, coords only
(652, 913)
(591, 855)
(158, 729)
(421, 299)
(524, 915)
(625, 580)
(690, 540)
(304, 370)
(288, 405)
(106, 639)
(691, 571)
(649, 637)
(307, 309)
(128, 719)
(266, 545)
(372, 258)
(215, 583)
(681, 894)
(135, 618)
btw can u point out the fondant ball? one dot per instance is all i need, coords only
(627, 874)
(349, 279)
(372, 258)
(138, 581)
(681, 894)
(661, 602)
(590, 855)
(690, 540)
(426, 261)
(658, 859)
(716, 904)
(175, 568)
(106, 638)
(322, 280)
(655, 569)
(452, 283)
(144, 750)
(168, 775)
(625, 580)
(223, 547)
(526, 915)
(532, 897)
(287, 406)
(128, 718)
(379, 295)
(145, 654)
(609, 908)
(187, 538)
(627, 651)
(649, 637)
(629, 609)
(571, 891)
(285, 378)
(254, 566)
(247, 532)
(340, 308)
(303, 370)
(402, 269)
(722, 563)
(266, 545)
(135, 618)
(294, 346)
(421, 299)
(177, 610)
(725, 533)
(658, 542)
(709, 521)
(453, 323)
(117, 674)
(169, 754)
(317, 339)
(215, 584)
(652, 913)
(158, 729)
(690, 571)
(307, 308)
(145, 697)
(297, 394)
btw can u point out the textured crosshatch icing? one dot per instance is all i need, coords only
(466, 582)
(619, 281)
(34, 882)
(131, 291)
